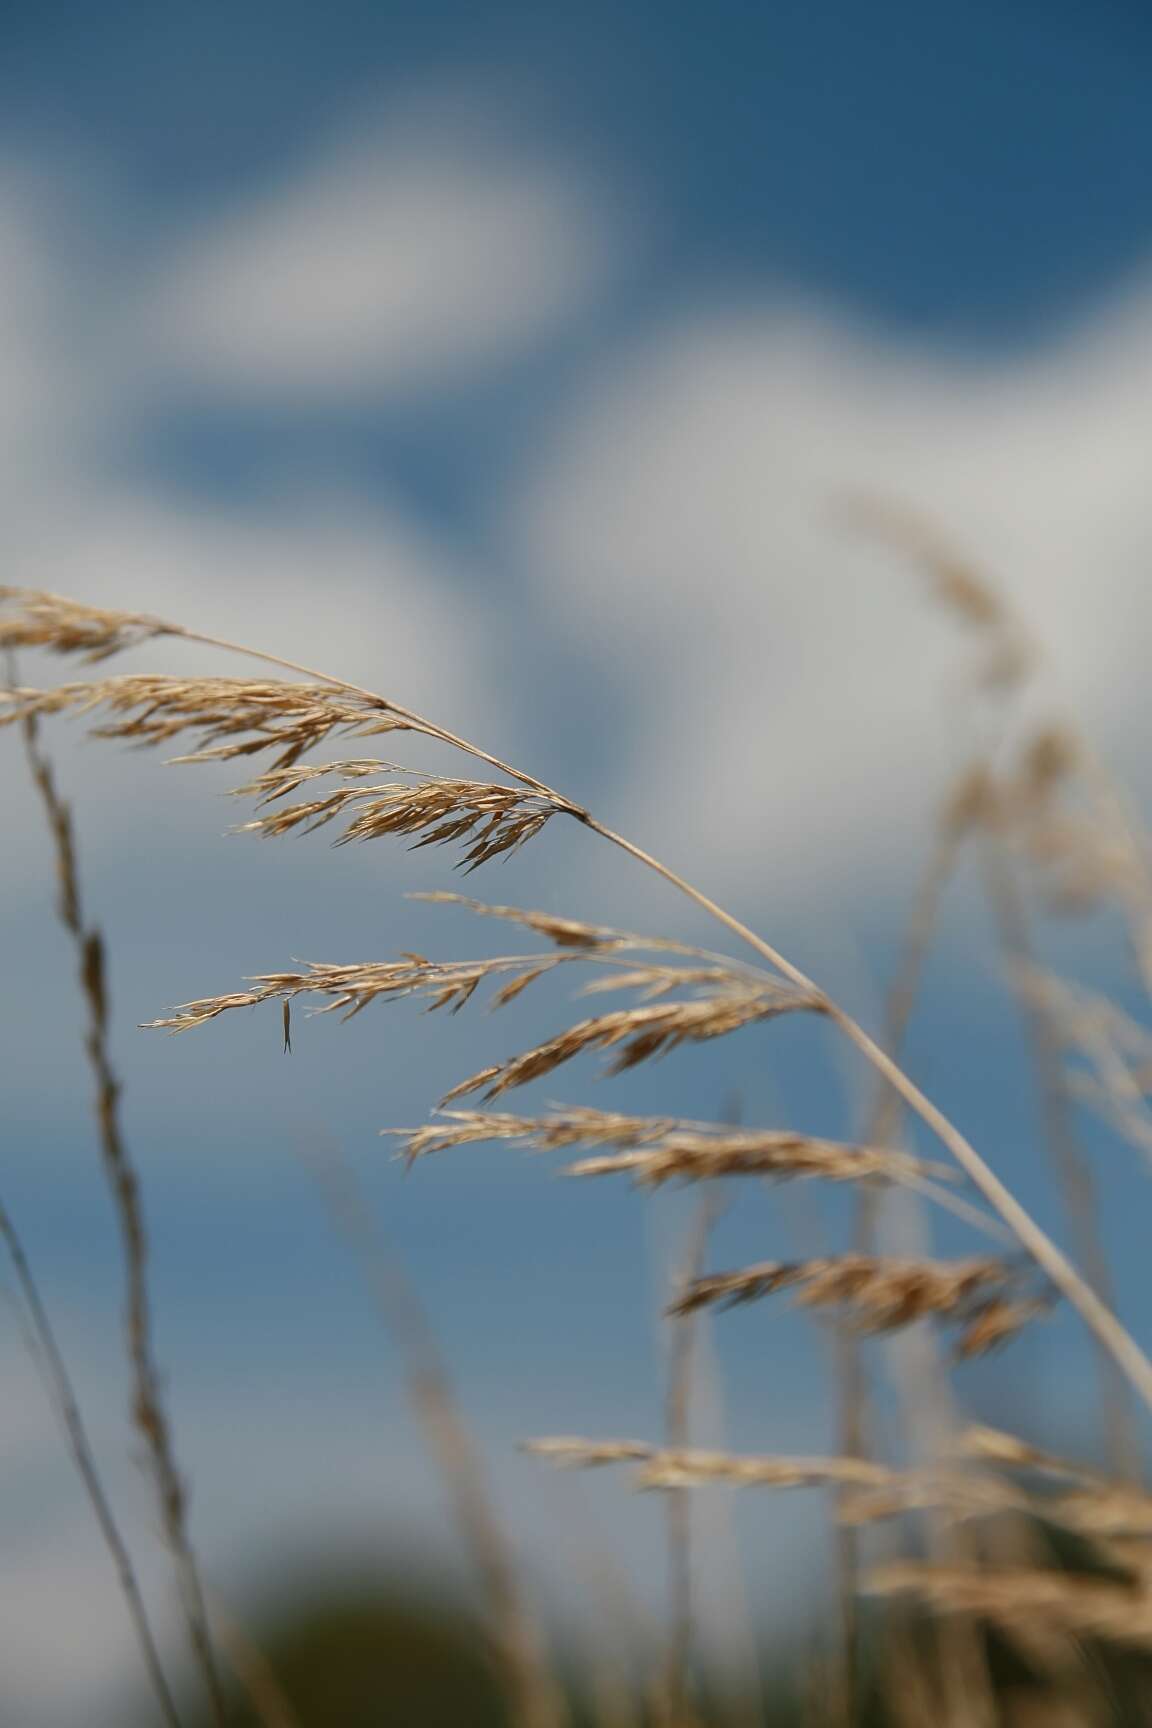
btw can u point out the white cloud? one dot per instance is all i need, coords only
(327, 579)
(791, 686)
(401, 257)
(67, 1645)
(52, 372)
(333, 579)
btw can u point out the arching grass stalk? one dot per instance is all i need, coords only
(49, 621)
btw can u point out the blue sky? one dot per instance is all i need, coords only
(957, 167)
(512, 360)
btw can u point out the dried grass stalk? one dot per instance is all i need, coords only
(1105, 1511)
(775, 1155)
(47, 621)
(572, 933)
(656, 1149)
(961, 1494)
(1063, 810)
(1083, 1606)
(148, 1412)
(452, 983)
(1083, 855)
(68, 627)
(353, 986)
(1068, 1158)
(981, 1297)
(1007, 654)
(533, 1696)
(995, 1446)
(46, 1353)
(684, 1467)
(558, 1130)
(638, 1035)
(259, 1680)
(875, 1491)
(1096, 1505)
(678, 1512)
(1117, 1047)
(224, 717)
(438, 809)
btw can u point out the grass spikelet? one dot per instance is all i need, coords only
(565, 932)
(655, 1149)
(882, 1295)
(959, 1494)
(1008, 656)
(637, 1035)
(1049, 759)
(353, 986)
(1095, 1505)
(878, 1491)
(450, 984)
(41, 620)
(1084, 1606)
(575, 1454)
(1117, 1048)
(776, 1155)
(439, 810)
(973, 803)
(225, 717)
(994, 1446)
(572, 933)
(691, 1468)
(558, 1129)
(686, 1467)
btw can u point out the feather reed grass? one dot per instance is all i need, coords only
(44, 620)
(690, 995)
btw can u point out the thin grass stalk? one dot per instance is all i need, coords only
(257, 1677)
(882, 1129)
(58, 1384)
(1095, 1313)
(428, 727)
(1067, 1159)
(534, 1698)
(678, 1506)
(1136, 885)
(616, 1697)
(148, 1413)
(956, 1643)
(966, 1693)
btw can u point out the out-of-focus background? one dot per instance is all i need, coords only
(515, 360)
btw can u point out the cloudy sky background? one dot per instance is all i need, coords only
(515, 364)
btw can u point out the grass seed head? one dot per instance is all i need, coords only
(654, 1149)
(31, 619)
(979, 1296)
